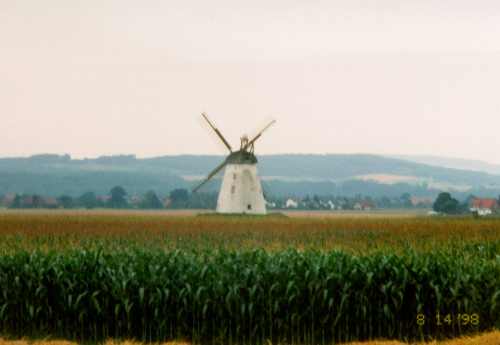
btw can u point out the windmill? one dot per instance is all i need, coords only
(241, 191)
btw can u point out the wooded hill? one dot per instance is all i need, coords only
(290, 174)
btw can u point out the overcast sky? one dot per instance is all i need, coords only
(99, 77)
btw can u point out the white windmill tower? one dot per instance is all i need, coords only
(241, 191)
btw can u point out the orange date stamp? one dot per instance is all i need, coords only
(449, 319)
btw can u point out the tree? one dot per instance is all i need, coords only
(179, 198)
(468, 200)
(446, 204)
(406, 200)
(202, 200)
(385, 202)
(88, 200)
(17, 202)
(65, 201)
(117, 200)
(151, 201)
(37, 201)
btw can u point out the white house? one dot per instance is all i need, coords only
(270, 204)
(290, 203)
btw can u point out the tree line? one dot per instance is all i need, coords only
(117, 198)
(181, 198)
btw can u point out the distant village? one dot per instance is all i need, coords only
(183, 199)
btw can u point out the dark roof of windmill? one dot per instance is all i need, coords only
(241, 157)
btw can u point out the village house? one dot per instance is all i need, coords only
(167, 202)
(421, 201)
(484, 207)
(135, 200)
(31, 201)
(103, 198)
(270, 204)
(331, 205)
(290, 203)
(8, 199)
(49, 202)
(364, 205)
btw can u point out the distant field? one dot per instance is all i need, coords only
(303, 278)
(391, 213)
(349, 231)
(388, 213)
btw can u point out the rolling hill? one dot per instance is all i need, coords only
(288, 174)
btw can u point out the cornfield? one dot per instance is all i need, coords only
(245, 297)
(159, 285)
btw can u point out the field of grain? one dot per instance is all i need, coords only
(298, 279)
(355, 234)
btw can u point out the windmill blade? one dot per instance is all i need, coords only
(212, 174)
(219, 134)
(259, 134)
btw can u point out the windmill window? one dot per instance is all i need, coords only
(249, 206)
(234, 176)
(233, 188)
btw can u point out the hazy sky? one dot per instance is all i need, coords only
(101, 77)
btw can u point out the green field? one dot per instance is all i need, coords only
(210, 279)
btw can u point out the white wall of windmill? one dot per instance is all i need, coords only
(241, 190)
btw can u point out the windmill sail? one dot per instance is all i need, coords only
(219, 134)
(250, 143)
(212, 174)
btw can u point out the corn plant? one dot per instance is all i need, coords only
(245, 296)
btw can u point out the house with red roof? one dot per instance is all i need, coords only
(484, 206)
